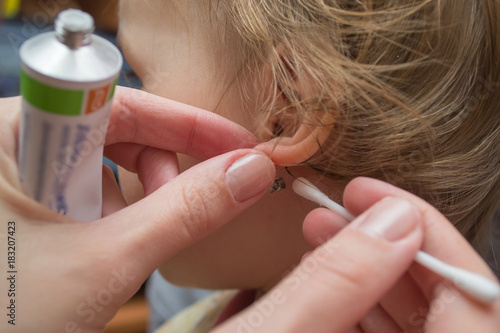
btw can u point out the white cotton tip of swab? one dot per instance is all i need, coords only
(306, 189)
(475, 285)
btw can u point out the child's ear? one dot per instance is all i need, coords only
(298, 147)
(297, 134)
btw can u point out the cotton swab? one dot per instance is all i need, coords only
(475, 285)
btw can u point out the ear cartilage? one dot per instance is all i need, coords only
(475, 285)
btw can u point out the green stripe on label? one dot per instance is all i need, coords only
(112, 89)
(50, 99)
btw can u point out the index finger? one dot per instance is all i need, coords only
(142, 118)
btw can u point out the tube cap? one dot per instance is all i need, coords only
(74, 28)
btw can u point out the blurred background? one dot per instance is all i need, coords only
(22, 19)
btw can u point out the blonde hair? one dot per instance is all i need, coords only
(412, 87)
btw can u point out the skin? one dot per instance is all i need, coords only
(144, 136)
(264, 242)
(78, 263)
(85, 259)
(260, 245)
(116, 254)
(337, 294)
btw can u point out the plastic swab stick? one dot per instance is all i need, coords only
(475, 285)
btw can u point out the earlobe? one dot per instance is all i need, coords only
(304, 143)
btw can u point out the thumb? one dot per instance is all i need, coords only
(337, 284)
(188, 208)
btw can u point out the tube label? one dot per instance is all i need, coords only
(62, 134)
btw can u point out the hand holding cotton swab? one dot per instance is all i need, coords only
(477, 286)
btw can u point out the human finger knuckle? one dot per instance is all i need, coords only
(195, 211)
(350, 271)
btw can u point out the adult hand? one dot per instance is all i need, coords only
(357, 281)
(73, 276)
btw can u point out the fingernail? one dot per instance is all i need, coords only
(250, 175)
(391, 219)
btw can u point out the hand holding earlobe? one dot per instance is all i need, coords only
(90, 269)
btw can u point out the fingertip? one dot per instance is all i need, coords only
(112, 198)
(156, 167)
(249, 175)
(362, 192)
(108, 175)
(320, 225)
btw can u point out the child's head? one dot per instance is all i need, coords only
(401, 90)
